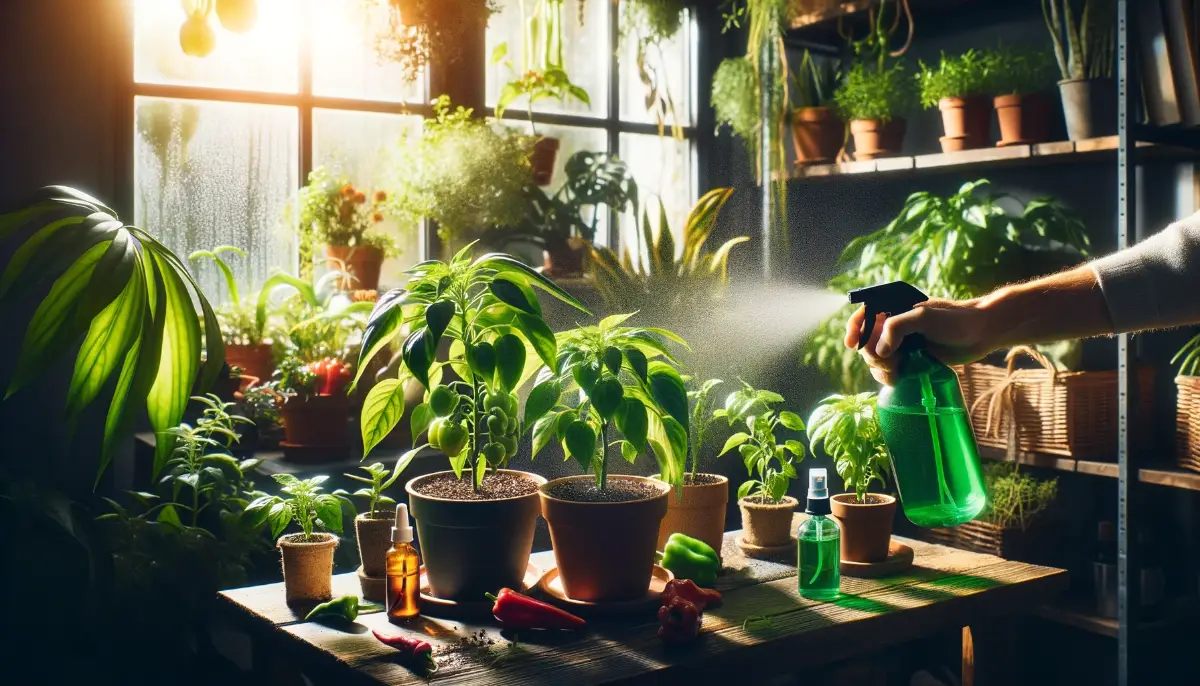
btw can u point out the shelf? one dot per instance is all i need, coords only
(810, 12)
(1073, 615)
(1174, 478)
(1057, 462)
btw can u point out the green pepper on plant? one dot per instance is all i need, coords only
(688, 558)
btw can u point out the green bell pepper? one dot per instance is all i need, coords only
(689, 558)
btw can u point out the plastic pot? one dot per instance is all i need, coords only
(874, 138)
(360, 264)
(317, 421)
(1090, 107)
(1024, 119)
(604, 550)
(817, 134)
(307, 567)
(866, 527)
(697, 511)
(767, 525)
(545, 152)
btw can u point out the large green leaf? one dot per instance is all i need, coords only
(633, 423)
(544, 431)
(383, 325)
(580, 441)
(178, 362)
(381, 411)
(510, 360)
(20, 258)
(540, 336)
(505, 264)
(515, 293)
(418, 353)
(437, 318)
(668, 390)
(542, 399)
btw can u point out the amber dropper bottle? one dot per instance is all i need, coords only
(403, 570)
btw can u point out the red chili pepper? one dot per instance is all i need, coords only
(413, 651)
(517, 611)
(687, 589)
(679, 620)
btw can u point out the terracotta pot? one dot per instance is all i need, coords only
(255, 360)
(315, 421)
(817, 134)
(545, 152)
(768, 525)
(967, 118)
(565, 259)
(307, 567)
(1090, 107)
(1024, 119)
(374, 539)
(953, 144)
(874, 139)
(473, 547)
(866, 528)
(604, 551)
(698, 511)
(361, 265)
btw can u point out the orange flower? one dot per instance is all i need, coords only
(377, 217)
(348, 191)
(360, 198)
(380, 196)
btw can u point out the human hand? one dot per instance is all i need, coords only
(956, 332)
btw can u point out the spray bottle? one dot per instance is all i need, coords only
(925, 422)
(819, 543)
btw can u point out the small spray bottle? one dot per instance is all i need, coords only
(403, 570)
(924, 420)
(819, 563)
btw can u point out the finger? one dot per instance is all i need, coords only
(896, 328)
(854, 326)
(881, 376)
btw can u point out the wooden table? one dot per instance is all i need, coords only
(946, 589)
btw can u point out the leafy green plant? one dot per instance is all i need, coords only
(377, 481)
(237, 317)
(1019, 70)
(332, 211)
(847, 428)
(627, 379)
(650, 24)
(735, 98)
(1084, 49)
(125, 296)
(703, 404)
(543, 73)
(955, 77)
(771, 464)
(1015, 498)
(487, 310)
(815, 82)
(593, 180)
(882, 93)
(307, 506)
(316, 320)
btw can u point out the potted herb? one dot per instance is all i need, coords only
(735, 98)
(817, 130)
(766, 507)
(373, 526)
(315, 407)
(958, 88)
(409, 31)
(475, 521)
(542, 76)
(246, 342)
(698, 508)
(344, 219)
(604, 527)
(1019, 80)
(874, 100)
(846, 427)
(308, 554)
(1085, 39)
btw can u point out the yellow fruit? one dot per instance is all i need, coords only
(196, 37)
(238, 16)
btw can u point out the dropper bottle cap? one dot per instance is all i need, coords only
(402, 532)
(818, 492)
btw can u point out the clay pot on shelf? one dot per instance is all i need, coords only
(967, 120)
(874, 138)
(361, 265)
(866, 527)
(317, 421)
(473, 547)
(255, 360)
(1090, 107)
(817, 134)
(566, 258)
(697, 511)
(604, 550)
(307, 567)
(767, 524)
(545, 153)
(1024, 119)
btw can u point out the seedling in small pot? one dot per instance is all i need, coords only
(771, 464)
(377, 481)
(307, 506)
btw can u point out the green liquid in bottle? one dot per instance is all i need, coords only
(819, 563)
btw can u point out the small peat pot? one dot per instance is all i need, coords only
(604, 540)
(474, 542)
(307, 567)
(545, 153)
(374, 533)
(817, 134)
(255, 360)
(874, 138)
(766, 524)
(361, 265)
(866, 527)
(697, 510)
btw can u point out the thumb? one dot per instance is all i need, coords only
(896, 328)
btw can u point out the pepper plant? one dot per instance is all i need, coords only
(847, 427)
(377, 481)
(487, 310)
(771, 464)
(201, 461)
(627, 379)
(307, 506)
(702, 420)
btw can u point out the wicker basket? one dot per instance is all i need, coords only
(1187, 423)
(1061, 413)
(1035, 544)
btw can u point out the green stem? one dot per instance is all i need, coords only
(603, 470)
(473, 451)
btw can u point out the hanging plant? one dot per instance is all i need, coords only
(409, 31)
(650, 24)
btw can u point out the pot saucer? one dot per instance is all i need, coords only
(551, 586)
(374, 588)
(899, 559)
(760, 551)
(440, 607)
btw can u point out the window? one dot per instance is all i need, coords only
(222, 143)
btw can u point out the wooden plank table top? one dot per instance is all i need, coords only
(764, 626)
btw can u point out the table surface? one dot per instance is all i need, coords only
(763, 627)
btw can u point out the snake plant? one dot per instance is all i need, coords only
(125, 296)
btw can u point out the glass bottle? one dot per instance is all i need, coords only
(403, 570)
(818, 565)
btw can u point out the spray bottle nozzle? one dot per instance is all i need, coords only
(886, 298)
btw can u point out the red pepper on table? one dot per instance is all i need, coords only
(679, 620)
(413, 651)
(517, 611)
(687, 589)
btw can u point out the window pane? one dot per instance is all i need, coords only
(344, 62)
(586, 54)
(212, 173)
(662, 167)
(265, 58)
(668, 68)
(359, 145)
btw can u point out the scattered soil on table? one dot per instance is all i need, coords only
(473, 649)
(496, 486)
(618, 491)
(700, 479)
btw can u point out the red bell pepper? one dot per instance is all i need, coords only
(687, 589)
(332, 376)
(413, 651)
(517, 611)
(679, 620)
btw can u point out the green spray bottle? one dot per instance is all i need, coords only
(925, 422)
(819, 546)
